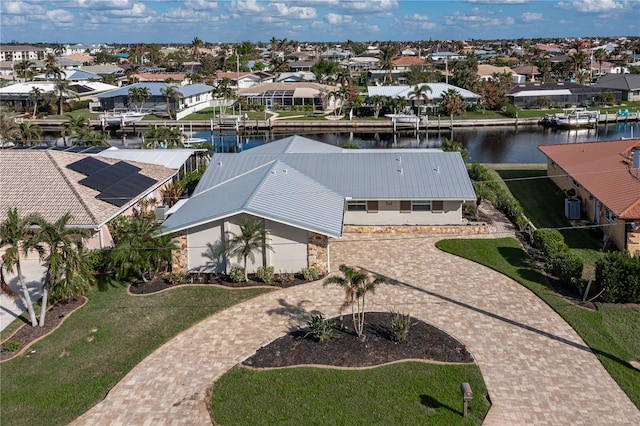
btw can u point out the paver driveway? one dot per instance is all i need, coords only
(537, 370)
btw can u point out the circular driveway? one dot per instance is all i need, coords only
(537, 369)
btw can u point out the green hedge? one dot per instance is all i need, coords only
(550, 241)
(566, 266)
(619, 274)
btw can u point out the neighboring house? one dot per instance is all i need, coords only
(529, 72)
(287, 94)
(445, 56)
(487, 72)
(18, 53)
(628, 84)
(191, 98)
(244, 79)
(361, 63)
(606, 178)
(435, 95)
(301, 66)
(404, 63)
(296, 77)
(305, 192)
(557, 94)
(72, 75)
(177, 78)
(95, 191)
(18, 95)
(104, 69)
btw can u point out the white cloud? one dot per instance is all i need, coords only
(477, 20)
(201, 4)
(507, 2)
(370, 6)
(591, 6)
(246, 7)
(135, 10)
(335, 19)
(60, 16)
(21, 8)
(294, 12)
(531, 17)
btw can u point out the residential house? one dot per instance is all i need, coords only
(288, 94)
(361, 63)
(435, 95)
(487, 72)
(95, 191)
(296, 77)
(606, 178)
(19, 53)
(298, 66)
(18, 95)
(557, 94)
(529, 72)
(74, 75)
(306, 192)
(244, 79)
(404, 63)
(176, 78)
(628, 84)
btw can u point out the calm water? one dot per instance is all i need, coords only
(501, 144)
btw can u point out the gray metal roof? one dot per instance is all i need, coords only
(307, 189)
(154, 88)
(171, 158)
(437, 89)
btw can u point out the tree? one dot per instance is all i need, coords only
(30, 133)
(387, 53)
(449, 145)
(34, 95)
(60, 247)
(419, 93)
(196, 45)
(452, 102)
(26, 69)
(14, 231)
(600, 55)
(223, 90)
(252, 237)
(62, 91)
(171, 95)
(75, 127)
(356, 285)
(324, 70)
(376, 103)
(138, 96)
(163, 137)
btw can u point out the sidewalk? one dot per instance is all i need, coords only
(11, 308)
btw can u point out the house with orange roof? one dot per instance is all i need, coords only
(403, 63)
(606, 179)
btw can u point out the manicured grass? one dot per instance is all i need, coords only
(543, 204)
(612, 331)
(409, 393)
(74, 367)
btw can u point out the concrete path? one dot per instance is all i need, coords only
(12, 307)
(537, 370)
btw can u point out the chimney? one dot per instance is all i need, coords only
(636, 158)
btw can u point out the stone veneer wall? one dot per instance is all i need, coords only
(419, 229)
(180, 256)
(633, 242)
(317, 252)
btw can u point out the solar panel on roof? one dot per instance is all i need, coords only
(124, 190)
(87, 166)
(75, 149)
(109, 175)
(95, 149)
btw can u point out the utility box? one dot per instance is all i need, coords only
(467, 395)
(161, 213)
(572, 208)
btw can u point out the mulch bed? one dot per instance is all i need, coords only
(424, 342)
(26, 334)
(160, 283)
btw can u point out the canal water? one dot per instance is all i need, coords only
(501, 144)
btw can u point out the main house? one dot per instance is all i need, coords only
(306, 192)
(606, 179)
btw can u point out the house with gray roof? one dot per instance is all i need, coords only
(306, 192)
(628, 84)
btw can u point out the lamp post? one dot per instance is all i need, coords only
(238, 82)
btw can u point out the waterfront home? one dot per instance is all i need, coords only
(290, 94)
(306, 193)
(435, 95)
(555, 94)
(94, 190)
(627, 84)
(606, 179)
(19, 96)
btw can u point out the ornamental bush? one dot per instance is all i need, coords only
(550, 241)
(265, 274)
(566, 266)
(400, 324)
(320, 328)
(310, 274)
(619, 274)
(237, 274)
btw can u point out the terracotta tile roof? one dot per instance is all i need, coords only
(38, 181)
(160, 77)
(405, 61)
(605, 169)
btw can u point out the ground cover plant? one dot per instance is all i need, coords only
(74, 367)
(610, 331)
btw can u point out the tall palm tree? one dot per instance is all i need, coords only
(252, 237)
(131, 72)
(75, 127)
(387, 53)
(223, 90)
(196, 44)
(62, 89)
(452, 102)
(171, 95)
(34, 95)
(52, 69)
(600, 55)
(30, 133)
(26, 69)
(138, 96)
(356, 285)
(59, 247)
(163, 137)
(419, 93)
(14, 231)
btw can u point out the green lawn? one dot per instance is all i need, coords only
(409, 393)
(543, 203)
(74, 367)
(612, 331)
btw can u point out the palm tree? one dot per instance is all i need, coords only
(387, 53)
(196, 44)
(30, 133)
(452, 102)
(164, 137)
(35, 94)
(75, 127)
(278, 64)
(139, 95)
(252, 237)
(14, 231)
(376, 103)
(9, 130)
(131, 72)
(171, 94)
(223, 90)
(52, 69)
(26, 69)
(356, 285)
(419, 92)
(59, 247)
(63, 90)
(600, 55)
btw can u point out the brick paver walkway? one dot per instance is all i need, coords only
(537, 370)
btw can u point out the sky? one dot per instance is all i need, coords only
(171, 21)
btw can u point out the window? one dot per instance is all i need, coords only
(608, 214)
(405, 206)
(357, 206)
(437, 206)
(421, 206)
(372, 207)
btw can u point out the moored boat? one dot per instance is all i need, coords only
(122, 118)
(574, 118)
(404, 118)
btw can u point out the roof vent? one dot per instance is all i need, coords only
(220, 163)
(401, 170)
(399, 159)
(273, 172)
(636, 158)
(437, 170)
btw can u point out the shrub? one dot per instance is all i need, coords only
(287, 277)
(320, 328)
(99, 260)
(550, 241)
(265, 274)
(237, 274)
(176, 277)
(311, 273)
(12, 346)
(400, 324)
(566, 266)
(619, 273)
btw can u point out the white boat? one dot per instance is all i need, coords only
(122, 118)
(404, 118)
(574, 118)
(194, 142)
